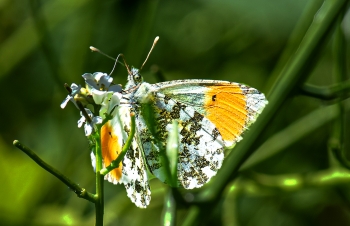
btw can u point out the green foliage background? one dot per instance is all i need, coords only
(44, 44)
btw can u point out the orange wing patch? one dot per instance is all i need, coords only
(225, 107)
(110, 149)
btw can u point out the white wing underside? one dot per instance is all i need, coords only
(200, 145)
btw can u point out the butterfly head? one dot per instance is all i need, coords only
(134, 78)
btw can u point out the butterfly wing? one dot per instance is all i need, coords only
(231, 107)
(211, 115)
(132, 170)
(200, 145)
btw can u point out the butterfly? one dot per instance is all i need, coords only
(211, 116)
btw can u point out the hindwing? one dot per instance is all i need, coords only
(200, 144)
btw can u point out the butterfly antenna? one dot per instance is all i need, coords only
(108, 56)
(115, 63)
(154, 43)
(94, 49)
(126, 65)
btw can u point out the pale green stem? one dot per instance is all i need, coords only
(169, 209)
(99, 205)
(172, 150)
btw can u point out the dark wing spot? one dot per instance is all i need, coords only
(166, 99)
(215, 133)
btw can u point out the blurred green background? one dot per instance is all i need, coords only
(44, 44)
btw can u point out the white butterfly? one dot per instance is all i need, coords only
(211, 115)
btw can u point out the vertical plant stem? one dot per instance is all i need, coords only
(99, 205)
(192, 215)
(336, 142)
(340, 51)
(169, 209)
(172, 149)
(339, 48)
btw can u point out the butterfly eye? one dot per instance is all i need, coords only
(137, 78)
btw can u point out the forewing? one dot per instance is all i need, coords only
(230, 106)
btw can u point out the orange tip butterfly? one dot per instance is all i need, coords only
(211, 116)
